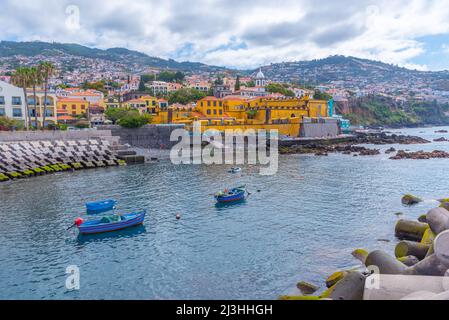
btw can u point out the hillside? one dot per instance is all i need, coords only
(353, 71)
(14, 50)
(376, 110)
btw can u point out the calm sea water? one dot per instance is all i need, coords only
(302, 225)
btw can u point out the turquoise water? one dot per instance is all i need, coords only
(302, 225)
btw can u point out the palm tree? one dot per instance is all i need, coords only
(35, 80)
(21, 78)
(47, 70)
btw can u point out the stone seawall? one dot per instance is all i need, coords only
(22, 136)
(148, 137)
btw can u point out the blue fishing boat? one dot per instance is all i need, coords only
(100, 206)
(235, 194)
(110, 223)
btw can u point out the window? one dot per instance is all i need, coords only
(83, 107)
(2, 100)
(16, 112)
(74, 112)
(220, 111)
(73, 107)
(220, 103)
(16, 101)
(215, 111)
(64, 106)
(48, 102)
(31, 101)
(208, 103)
(215, 103)
(2, 112)
(208, 111)
(49, 113)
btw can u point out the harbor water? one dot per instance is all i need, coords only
(300, 224)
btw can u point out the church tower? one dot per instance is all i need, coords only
(260, 79)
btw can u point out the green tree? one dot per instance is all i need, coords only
(237, 83)
(251, 84)
(142, 87)
(134, 120)
(318, 95)
(22, 79)
(99, 86)
(279, 88)
(219, 80)
(147, 77)
(185, 96)
(169, 76)
(46, 70)
(115, 114)
(35, 80)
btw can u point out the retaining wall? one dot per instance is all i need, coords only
(149, 136)
(319, 130)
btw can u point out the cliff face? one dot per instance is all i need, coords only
(384, 111)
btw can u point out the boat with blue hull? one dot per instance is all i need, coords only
(110, 223)
(232, 195)
(100, 206)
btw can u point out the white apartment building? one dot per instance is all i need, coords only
(12, 101)
(158, 87)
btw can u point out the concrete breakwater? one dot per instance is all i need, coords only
(25, 159)
(29, 153)
(417, 270)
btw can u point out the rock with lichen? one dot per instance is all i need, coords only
(409, 200)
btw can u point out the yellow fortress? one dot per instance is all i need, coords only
(237, 112)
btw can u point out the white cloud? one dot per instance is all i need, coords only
(243, 34)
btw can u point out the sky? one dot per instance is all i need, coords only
(242, 34)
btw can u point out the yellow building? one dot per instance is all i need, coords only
(211, 107)
(237, 112)
(147, 104)
(73, 106)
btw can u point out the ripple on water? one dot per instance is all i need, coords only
(302, 225)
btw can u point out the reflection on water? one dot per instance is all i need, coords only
(302, 225)
(125, 233)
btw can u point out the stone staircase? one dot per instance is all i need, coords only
(127, 154)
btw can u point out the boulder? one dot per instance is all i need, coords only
(306, 288)
(409, 200)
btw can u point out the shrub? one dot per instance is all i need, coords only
(10, 124)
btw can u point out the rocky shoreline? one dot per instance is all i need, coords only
(352, 147)
(422, 250)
